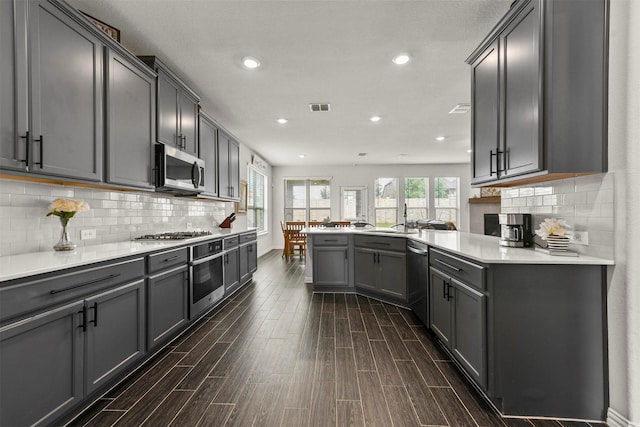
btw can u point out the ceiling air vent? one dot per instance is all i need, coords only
(317, 107)
(362, 154)
(460, 109)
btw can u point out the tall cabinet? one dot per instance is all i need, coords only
(208, 141)
(228, 167)
(539, 93)
(52, 123)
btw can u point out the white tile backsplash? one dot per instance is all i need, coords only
(585, 202)
(115, 215)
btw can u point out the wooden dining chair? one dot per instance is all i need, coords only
(295, 238)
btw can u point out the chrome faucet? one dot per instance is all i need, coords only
(405, 218)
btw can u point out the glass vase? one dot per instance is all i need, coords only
(65, 243)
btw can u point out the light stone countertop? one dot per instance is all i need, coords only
(478, 247)
(30, 264)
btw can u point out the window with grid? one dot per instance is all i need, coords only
(447, 198)
(386, 202)
(416, 197)
(256, 200)
(307, 199)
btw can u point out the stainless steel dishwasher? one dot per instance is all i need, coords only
(418, 279)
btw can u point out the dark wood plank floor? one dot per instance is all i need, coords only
(276, 354)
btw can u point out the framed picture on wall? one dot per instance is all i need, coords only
(241, 206)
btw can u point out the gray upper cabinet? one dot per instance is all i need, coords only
(53, 123)
(228, 167)
(539, 93)
(177, 108)
(130, 121)
(208, 141)
(42, 366)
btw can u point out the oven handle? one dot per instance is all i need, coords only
(206, 259)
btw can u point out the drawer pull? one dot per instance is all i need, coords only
(379, 243)
(57, 291)
(171, 258)
(330, 240)
(94, 307)
(448, 265)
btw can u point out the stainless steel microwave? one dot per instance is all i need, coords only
(178, 172)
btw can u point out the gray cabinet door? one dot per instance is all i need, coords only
(208, 142)
(167, 109)
(65, 95)
(224, 186)
(130, 123)
(393, 273)
(331, 266)
(13, 86)
(521, 94)
(439, 306)
(115, 333)
(232, 270)
(244, 263)
(41, 366)
(252, 249)
(469, 334)
(188, 122)
(167, 304)
(234, 169)
(485, 82)
(366, 269)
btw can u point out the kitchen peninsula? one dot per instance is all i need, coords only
(529, 329)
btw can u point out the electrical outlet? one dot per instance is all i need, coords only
(189, 226)
(580, 238)
(88, 234)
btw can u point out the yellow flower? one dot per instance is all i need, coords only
(67, 208)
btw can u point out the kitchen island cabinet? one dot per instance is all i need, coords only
(331, 255)
(63, 60)
(380, 266)
(539, 93)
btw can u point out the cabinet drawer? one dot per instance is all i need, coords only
(162, 260)
(470, 273)
(322, 240)
(248, 237)
(33, 295)
(380, 242)
(230, 242)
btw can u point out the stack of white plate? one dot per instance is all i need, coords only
(558, 243)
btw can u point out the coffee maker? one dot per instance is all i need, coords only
(515, 230)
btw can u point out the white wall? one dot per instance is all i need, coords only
(344, 176)
(624, 158)
(264, 239)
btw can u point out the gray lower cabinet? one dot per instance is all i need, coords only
(129, 121)
(42, 366)
(167, 304)
(381, 271)
(331, 265)
(248, 260)
(115, 325)
(63, 60)
(231, 268)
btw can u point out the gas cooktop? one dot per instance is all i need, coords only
(175, 235)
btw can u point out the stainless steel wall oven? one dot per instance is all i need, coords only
(206, 279)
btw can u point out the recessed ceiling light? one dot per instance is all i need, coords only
(469, 151)
(301, 156)
(401, 59)
(250, 62)
(440, 138)
(282, 121)
(375, 118)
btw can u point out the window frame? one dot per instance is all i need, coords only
(307, 208)
(251, 208)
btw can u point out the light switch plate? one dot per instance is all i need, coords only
(88, 234)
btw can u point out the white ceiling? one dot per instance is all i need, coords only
(320, 51)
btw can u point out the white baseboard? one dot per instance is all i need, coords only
(615, 419)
